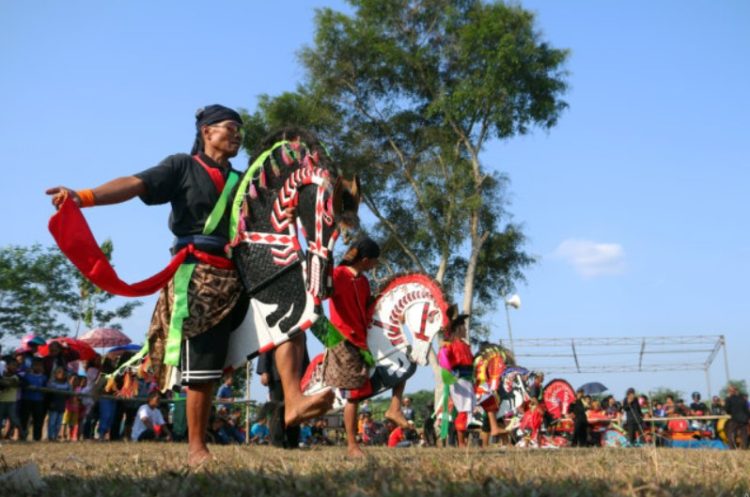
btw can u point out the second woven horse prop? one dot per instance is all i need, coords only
(408, 312)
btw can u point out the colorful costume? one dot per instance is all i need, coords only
(455, 357)
(200, 302)
(346, 363)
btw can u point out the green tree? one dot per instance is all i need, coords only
(41, 292)
(408, 94)
(740, 385)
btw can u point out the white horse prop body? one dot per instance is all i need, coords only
(408, 312)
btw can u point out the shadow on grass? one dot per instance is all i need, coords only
(369, 478)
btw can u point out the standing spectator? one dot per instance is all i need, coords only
(407, 410)
(580, 422)
(149, 422)
(536, 387)
(9, 385)
(90, 411)
(633, 415)
(225, 393)
(739, 417)
(72, 416)
(32, 401)
(105, 406)
(57, 402)
(697, 407)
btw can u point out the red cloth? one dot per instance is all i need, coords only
(348, 306)
(459, 354)
(395, 437)
(73, 235)
(462, 421)
(532, 420)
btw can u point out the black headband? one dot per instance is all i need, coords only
(212, 114)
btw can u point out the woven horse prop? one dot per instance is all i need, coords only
(408, 312)
(286, 284)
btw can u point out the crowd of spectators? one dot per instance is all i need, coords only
(54, 398)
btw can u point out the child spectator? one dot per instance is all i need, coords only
(9, 386)
(57, 402)
(32, 401)
(259, 433)
(73, 408)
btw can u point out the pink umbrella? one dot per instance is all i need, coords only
(105, 337)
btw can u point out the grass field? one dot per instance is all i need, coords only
(124, 469)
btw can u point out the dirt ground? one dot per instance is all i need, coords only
(151, 469)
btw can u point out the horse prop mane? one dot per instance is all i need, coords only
(284, 282)
(408, 312)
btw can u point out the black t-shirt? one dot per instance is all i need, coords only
(182, 181)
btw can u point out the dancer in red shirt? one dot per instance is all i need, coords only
(346, 363)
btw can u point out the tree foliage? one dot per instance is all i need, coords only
(408, 94)
(41, 292)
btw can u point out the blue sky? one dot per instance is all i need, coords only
(635, 203)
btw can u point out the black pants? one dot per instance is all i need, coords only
(36, 410)
(632, 429)
(580, 435)
(736, 429)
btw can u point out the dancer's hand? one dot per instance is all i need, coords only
(60, 193)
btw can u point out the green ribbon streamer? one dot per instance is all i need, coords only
(221, 205)
(180, 312)
(448, 380)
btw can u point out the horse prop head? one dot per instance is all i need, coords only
(289, 209)
(408, 312)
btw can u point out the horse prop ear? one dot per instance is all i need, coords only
(346, 199)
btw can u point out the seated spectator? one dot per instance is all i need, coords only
(399, 436)
(259, 433)
(669, 406)
(305, 434)
(9, 386)
(698, 408)
(319, 435)
(613, 408)
(149, 422)
(717, 405)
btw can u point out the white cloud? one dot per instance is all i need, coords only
(591, 258)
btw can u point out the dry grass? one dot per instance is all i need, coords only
(126, 469)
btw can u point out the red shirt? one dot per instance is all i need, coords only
(396, 436)
(459, 353)
(348, 306)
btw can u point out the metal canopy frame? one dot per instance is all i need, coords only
(638, 354)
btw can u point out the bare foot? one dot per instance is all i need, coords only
(308, 407)
(198, 458)
(397, 417)
(355, 451)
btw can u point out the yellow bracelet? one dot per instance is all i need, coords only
(87, 198)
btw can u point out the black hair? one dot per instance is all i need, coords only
(363, 248)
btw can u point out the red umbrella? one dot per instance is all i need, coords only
(81, 350)
(105, 337)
